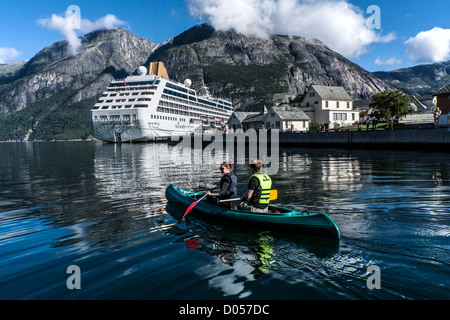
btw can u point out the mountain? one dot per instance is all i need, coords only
(54, 91)
(49, 97)
(419, 80)
(9, 70)
(250, 70)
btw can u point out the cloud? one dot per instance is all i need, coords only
(339, 24)
(9, 55)
(429, 46)
(68, 28)
(107, 22)
(388, 62)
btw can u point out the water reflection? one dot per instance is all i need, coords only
(103, 206)
(240, 255)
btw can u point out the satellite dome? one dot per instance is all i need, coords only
(188, 83)
(142, 70)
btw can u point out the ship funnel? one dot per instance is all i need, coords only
(158, 69)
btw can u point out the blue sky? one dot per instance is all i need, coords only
(411, 32)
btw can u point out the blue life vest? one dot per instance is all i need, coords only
(232, 187)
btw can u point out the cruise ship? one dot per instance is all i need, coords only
(149, 106)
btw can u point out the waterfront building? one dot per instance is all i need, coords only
(253, 121)
(237, 118)
(327, 105)
(442, 97)
(286, 119)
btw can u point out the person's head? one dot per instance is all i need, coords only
(256, 165)
(226, 168)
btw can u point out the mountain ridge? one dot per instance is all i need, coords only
(419, 80)
(299, 61)
(51, 95)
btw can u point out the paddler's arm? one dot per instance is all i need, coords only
(249, 194)
(251, 188)
(222, 192)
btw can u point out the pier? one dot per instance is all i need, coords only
(437, 139)
(415, 139)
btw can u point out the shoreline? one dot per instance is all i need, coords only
(437, 139)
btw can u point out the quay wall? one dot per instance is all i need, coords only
(413, 139)
(434, 138)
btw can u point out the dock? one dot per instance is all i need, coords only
(437, 139)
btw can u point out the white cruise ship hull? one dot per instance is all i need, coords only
(117, 132)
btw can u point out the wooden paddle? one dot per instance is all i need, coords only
(196, 202)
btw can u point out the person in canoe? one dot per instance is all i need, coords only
(257, 197)
(228, 186)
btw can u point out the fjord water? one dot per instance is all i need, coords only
(102, 208)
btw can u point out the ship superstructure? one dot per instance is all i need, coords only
(148, 106)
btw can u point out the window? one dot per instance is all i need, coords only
(339, 116)
(348, 105)
(326, 104)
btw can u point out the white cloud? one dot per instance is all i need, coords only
(107, 22)
(429, 46)
(65, 26)
(337, 23)
(388, 62)
(9, 55)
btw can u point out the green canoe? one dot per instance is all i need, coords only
(278, 218)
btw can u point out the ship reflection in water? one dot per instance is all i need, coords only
(102, 207)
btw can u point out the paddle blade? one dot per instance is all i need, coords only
(190, 208)
(273, 195)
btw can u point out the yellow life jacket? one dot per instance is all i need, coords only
(263, 193)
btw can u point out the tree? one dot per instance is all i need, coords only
(391, 105)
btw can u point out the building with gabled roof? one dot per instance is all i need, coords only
(327, 105)
(286, 119)
(443, 99)
(236, 120)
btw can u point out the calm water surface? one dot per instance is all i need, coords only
(102, 208)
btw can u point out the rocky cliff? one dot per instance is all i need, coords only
(250, 70)
(50, 96)
(33, 96)
(419, 80)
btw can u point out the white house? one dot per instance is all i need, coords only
(286, 119)
(327, 105)
(237, 118)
